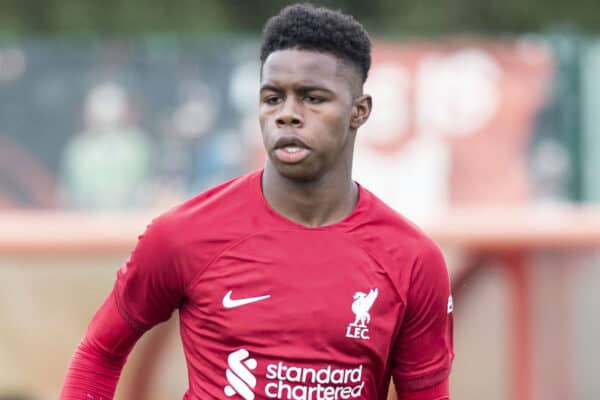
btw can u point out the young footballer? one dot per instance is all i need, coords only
(293, 282)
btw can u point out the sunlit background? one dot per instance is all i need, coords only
(485, 132)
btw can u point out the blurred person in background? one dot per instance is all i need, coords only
(184, 128)
(195, 154)
(292, 281)
(106, 165)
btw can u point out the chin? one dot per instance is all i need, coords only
(297, 172)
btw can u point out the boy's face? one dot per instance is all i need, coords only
(310, 108)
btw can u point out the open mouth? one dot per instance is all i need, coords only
(291, 150)
(292, 154)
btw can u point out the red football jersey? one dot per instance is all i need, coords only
(271, 309)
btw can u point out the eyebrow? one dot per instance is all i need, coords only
(301, 89)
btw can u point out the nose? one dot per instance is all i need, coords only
(289, 115)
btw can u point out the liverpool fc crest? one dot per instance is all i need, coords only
(360, 307)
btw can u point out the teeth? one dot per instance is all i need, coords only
(292, 149)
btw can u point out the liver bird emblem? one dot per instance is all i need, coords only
(361, 306)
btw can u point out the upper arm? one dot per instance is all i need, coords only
(423, 351)
(108, 333)
(149, 286)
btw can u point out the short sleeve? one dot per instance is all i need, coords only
(423, 351)
(148, 287)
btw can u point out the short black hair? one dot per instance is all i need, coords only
(306, 27)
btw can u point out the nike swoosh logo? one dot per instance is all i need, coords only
(228, 302)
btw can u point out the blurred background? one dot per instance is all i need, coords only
(485, 132)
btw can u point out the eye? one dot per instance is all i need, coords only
(313, 99)
(272, 100)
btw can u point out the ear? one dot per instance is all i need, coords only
(361, 109)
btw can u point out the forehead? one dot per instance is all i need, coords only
(292, 66)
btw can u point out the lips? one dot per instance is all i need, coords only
(290, 141)
(291, 150)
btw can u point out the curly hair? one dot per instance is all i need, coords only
(306, 27)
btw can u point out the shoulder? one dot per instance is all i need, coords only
(197, 229)
(207, 221)
(216, 205)
(394, 232)
(403, 249)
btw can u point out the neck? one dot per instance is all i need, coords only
(316, 203)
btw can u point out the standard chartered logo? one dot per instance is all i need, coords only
(301, 383)
(239, 377)
(290, 382)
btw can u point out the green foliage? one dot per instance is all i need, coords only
(205, 17)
